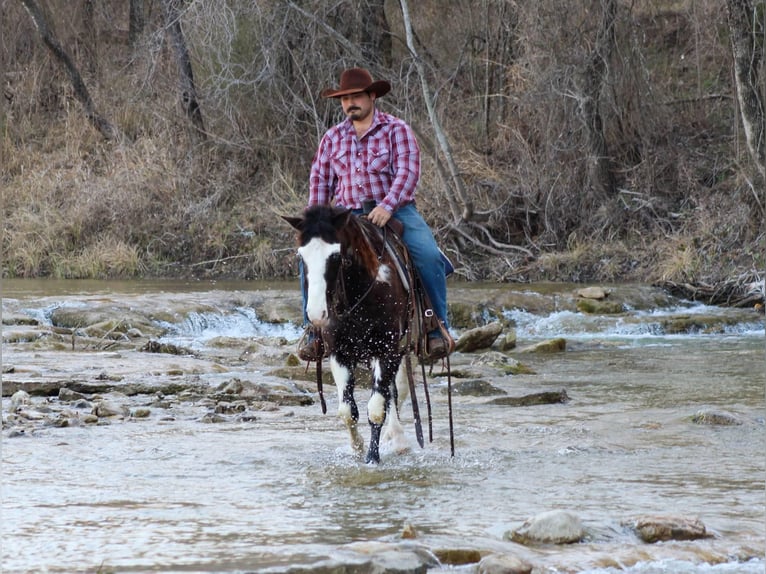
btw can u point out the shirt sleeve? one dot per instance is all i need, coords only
(405, 156)
(322, 179)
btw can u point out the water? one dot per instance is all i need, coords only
(284, 489)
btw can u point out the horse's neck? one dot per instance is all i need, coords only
(364, 244)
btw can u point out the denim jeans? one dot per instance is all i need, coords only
(430, 262)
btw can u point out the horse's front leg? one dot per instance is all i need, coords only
(383, 373)
(343, 375)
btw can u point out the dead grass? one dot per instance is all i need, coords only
(159, 204)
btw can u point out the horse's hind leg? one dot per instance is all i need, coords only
(347, 410)
(394, 433)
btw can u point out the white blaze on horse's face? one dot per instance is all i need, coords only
(315, 255)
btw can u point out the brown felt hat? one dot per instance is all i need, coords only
(356, 80)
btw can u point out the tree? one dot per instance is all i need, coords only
(189, 99)
(593, 79)
(49, 38)
(745, 24)
(137, 22)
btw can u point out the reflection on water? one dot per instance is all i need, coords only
(285, 489)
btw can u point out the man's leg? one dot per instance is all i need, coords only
(426, 257)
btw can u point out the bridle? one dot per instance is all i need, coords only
(340, 293)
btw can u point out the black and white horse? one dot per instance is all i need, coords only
(359, 300)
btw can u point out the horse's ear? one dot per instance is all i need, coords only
(296, 222)
(341, 218)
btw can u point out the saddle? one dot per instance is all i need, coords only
(423, 320)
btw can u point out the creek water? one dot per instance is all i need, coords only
(283, 490)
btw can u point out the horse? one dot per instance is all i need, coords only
(359, 301)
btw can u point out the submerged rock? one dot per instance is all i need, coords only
(543, 398)
(594, 307)
(716, 418)
(503, 564)
(652, 529)
(476, 388)
(557, 345)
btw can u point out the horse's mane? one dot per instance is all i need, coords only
(363, 242)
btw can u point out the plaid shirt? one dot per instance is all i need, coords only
(384, 165)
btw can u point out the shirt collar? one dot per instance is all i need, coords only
(378, 118)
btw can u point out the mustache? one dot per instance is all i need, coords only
(354, 109)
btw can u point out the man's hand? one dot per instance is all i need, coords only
(379, 216)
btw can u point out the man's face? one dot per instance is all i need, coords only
(357, 106)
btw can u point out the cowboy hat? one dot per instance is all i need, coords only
(355, 80)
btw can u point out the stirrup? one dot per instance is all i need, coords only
(310, 346)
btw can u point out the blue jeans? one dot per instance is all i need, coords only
(430, 262)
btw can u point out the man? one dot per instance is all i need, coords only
(374, 156)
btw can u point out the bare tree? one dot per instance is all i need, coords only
(375, 34)
(745, 23)
(136, 23)
(48, 36)
(91, 37)
(189, 99)
(592, 83)
(466, 211)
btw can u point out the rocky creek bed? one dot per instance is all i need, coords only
(106, 360)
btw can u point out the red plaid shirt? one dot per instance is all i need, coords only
(384, 165)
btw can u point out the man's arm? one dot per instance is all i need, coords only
(321, 178)
(405, 156)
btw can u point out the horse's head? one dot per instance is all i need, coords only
(319, 239)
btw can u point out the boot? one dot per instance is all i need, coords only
(438, 347)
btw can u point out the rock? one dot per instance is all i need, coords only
(409, 532)
(19, 399)
(157, 347)
(458, 556)
(213, 418)
(105, 408)
(543, 398)
(141, 413)
(476, 388)
(551, 527)
(716, 418)
(597, 293)
(479, 338)
(68, 395)
(508, 341)
(550, 346)
(652, 529)
(227, 408)
(600, 307)
(404, 557)
(503, 564)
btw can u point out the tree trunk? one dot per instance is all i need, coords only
(457, 180)
(48, 36)
(375, 37)
(91, 38)
(136, 23)
(189, 100)
(743, 27)
(593, 79)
